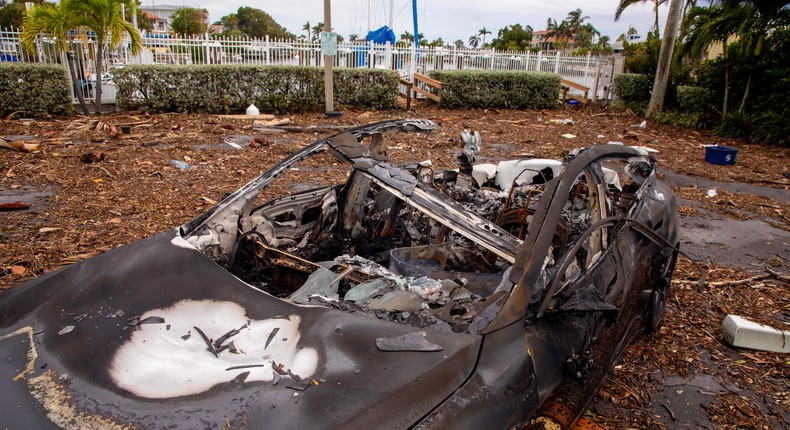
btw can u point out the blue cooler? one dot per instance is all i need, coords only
(721, 155)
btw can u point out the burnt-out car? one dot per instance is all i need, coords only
(400, 297)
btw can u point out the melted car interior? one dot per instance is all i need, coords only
(410, 243)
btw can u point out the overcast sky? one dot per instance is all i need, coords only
(448, 19)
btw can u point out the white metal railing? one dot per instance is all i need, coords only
(206, 49)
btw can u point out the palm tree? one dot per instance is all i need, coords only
(55, 20)
(602, 47)
(751, 21)
(318, 28)
(758, 19)
(626, 3)
(707, 26)
(307, 28)
(407, 36)
(353, 37)
(574, 21)
(458, 43)
(474, 41)
(483, 32)
(665, 57)
(104, 18)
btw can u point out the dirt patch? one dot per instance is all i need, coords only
(140, 187)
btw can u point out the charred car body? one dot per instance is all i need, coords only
(401, 297)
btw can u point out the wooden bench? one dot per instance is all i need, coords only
(414, 88)
(567, 85)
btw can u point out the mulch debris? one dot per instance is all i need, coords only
(109, 188)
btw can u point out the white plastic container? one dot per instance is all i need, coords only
(252, 110)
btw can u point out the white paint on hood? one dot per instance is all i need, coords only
(157, 363)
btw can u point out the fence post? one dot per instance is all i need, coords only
(412, 61)
(539, 62)
(207, 50)
(267, 48)
(586, 69)
(388, 55)
(557, 63)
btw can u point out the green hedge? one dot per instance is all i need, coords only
(694, 99)
(35, 89)
(498, 89)
(227, 88)
(633, 90)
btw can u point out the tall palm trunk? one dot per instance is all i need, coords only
(665, 58)
(77, 89)
(99, 61)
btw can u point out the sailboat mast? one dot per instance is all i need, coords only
(416, 31)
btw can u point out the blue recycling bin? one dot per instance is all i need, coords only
(720, 155)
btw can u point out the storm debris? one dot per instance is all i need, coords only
(241, 377)
(66, 330)
(14, 206)
(271, 337)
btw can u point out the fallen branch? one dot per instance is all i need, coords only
(14, 206)
(20, 145)
(731, 283)
(106, 172)
(778, 275)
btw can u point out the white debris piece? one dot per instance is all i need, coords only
(711, 193)
(483, 173)
(741, 332)
(525, 170)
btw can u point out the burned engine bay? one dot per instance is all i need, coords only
(409, 243)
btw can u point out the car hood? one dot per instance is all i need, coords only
(118, 339)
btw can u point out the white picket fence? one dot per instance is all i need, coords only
(206, 49)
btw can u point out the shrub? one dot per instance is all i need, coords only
(685, 119)
(35, 89)
(693, 99)
(633, 90)
(734, 124)
(226, 88)
(772, 128)
(498, 89)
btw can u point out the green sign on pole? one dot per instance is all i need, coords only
(329, 43)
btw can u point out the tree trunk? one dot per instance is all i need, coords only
(77, 89)
(725, 105)
(655, 9)
(99, 66)
(665, 58)
(757, 50)
(748, 90)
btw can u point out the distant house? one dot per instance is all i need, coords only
(158, 25)
(544, 42)
(618, 46)
(159, 17)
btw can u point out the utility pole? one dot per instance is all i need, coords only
(328, 60)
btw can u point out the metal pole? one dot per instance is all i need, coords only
(328, 85)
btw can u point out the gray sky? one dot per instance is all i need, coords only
(448, 19)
